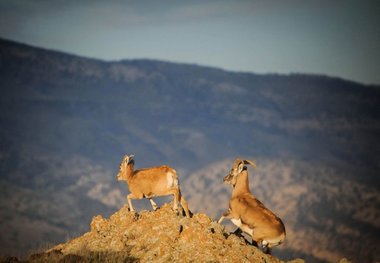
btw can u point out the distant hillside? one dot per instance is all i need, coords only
(66, 122)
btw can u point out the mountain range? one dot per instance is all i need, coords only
(66, 122)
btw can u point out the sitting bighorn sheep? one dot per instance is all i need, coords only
(248, 213)
(151, 182)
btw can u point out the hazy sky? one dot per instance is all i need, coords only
(337, 38)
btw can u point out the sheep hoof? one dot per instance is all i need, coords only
(176, 212)
(183, 213)
(136, 216)
(238, 232)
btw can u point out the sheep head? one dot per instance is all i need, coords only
(236, 169)
(127, 159)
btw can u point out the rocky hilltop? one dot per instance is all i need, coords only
(155, 236)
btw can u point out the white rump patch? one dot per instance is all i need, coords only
(244, 227)
(172, 181)
(236, 222)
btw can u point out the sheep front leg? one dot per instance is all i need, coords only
(154, 205)
(226, 214)
(129, 197)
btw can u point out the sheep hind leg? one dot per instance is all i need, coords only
(184, 204)
(266, 247)
(239, 233)
(176, 194)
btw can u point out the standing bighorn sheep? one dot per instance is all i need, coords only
(248, 213)
(151, 182)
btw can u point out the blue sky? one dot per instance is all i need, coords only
(336, 38)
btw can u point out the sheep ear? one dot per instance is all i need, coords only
(240, 167)
(250, 162)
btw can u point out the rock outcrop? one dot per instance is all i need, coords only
(155, 236)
